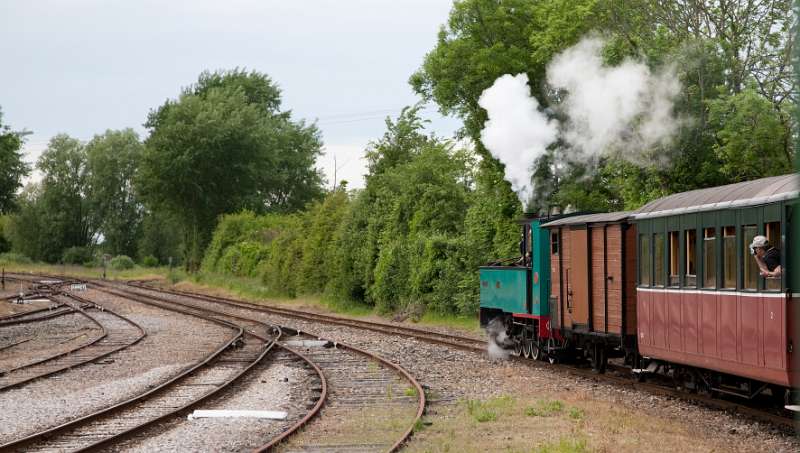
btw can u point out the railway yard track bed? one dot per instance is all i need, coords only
(474, 403)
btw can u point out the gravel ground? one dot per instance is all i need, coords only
(368, 407)
(10, 308)
(174, 341)
(453, 376)
(45, 339)
(273, 386)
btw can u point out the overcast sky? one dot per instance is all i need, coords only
(84, 66)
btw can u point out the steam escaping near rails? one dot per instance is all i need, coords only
(498, 339)
(625, 109)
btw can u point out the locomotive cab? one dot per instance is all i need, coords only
(517, 291)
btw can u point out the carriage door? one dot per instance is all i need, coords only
(578, 289)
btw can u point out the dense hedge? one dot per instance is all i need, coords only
(411, 240)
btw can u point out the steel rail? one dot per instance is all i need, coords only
(103, 335)
(422, 402)
(69, 366)
(73, 424)
(785, 421)
(410, 332)
(313, 412)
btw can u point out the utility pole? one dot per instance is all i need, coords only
(334, 172)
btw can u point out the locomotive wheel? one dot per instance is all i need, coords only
(551, 355)
(517, 348)
(536, 351)
(526, 349)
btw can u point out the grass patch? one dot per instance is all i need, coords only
(544, 408)
(490, 410)
(411, 391)
(457, 322)
(564, 445)
(73, 270)
(576, 413)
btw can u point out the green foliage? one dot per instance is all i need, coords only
(752, 141)
(222, 146)
(149, 261)
(5, 244)
(404, 242)
(160, 237)
(14, 258)
(489, 410)
(12, 166)
(77, 255)
(576, 413)
(564, 445)
(718, 57)
(112, 160)
(121, 262)
(544, 408)
(55, 214)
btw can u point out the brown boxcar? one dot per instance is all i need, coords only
(593, 290)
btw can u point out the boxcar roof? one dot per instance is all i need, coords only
(605, 217)
(749, 193)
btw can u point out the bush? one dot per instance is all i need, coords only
(121, 262)
(16, 258)
(77, 255)
(149, 261)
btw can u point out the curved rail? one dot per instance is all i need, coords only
(27, 441)
(71, 365)
(785, 421)
(446, 339)
(422, 401)
(313, 412)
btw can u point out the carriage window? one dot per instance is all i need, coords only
(729, 257)
(691, 257)
(644, 260)
(658, 259)
(750, 266)
(709, 258)
(674, 258)
(554, 243)
(774, 237)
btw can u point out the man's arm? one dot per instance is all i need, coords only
(776, 273)
(762, 266)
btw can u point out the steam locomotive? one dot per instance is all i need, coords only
(671, 288)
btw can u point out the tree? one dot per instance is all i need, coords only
(751, 139)
(66, 215)
(223, 146)
(112, 160)
(730, 44)
(12, 167)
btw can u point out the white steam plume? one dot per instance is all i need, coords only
(626, 109)
(516, 132)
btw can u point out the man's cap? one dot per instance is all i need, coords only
(759, 241)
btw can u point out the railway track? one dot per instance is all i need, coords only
(118, 333)
(623, 377)
(45, 337)
(361, 384)
(225, 365)
(445, 339)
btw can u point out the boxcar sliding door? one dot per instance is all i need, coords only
(578, 285)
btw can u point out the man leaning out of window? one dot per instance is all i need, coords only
(767, 257)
